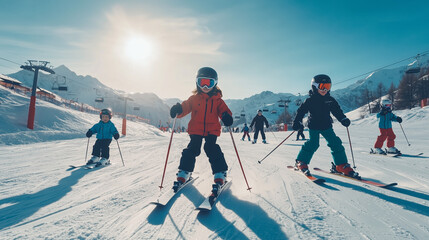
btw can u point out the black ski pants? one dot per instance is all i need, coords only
(300, 134)
(101, 148)
(213, 152)
(257, 130)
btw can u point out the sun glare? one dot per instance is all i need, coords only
(138, 48)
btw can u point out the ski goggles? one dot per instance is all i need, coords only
(323, 86)
(207, 83)
(388, 105)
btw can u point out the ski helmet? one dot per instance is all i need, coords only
(321, 82)
(386, 103)
(206, 78)
(106, 112)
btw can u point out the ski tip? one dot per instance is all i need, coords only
(389, 185)
(319, 181)
(317, 169)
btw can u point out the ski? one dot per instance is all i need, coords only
(411, 155)
(211, 200)
(385, 154)
(310, 177)
(164, 198)
(382, 185)
(92, 166)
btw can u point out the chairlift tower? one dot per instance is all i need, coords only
(124, 120)
(35, 66)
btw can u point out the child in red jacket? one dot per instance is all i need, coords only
(206, 107)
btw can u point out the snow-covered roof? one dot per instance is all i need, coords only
(9, 79)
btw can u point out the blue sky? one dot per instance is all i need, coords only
(157, 46)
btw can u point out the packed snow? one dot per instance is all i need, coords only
(42, 198)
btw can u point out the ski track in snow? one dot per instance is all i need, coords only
(41, 198)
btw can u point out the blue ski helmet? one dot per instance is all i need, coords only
(106, 112)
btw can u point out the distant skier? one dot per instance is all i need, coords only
(105, 129)
(385, 124)
(259, 121)
(246, 132)
(319, 105)
(206, 106)
(300, 134)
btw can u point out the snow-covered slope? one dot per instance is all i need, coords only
(40, 198)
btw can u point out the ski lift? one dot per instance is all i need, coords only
(237, 117)
(99, 99)
(413, 67)
(274, 111)
(136, 108)
(298, 102)
(243, 114)
(60, 86)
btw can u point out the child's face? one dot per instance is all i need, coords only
(105, 118)
(321, 92)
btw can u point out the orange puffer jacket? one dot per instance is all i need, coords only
(206, 111)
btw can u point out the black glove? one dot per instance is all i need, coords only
(89, 133)
(116, 136)
(227, 119)
(399, 119)
(268, 126)
(345, 122)
(297, 125)
(176, 110)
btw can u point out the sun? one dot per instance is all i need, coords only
(138, 48)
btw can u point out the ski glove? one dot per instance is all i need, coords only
(116, 136)
(297, 126)
(227, 119)
(89, 133)
(399, 119)
(345, 122)
(176, 110)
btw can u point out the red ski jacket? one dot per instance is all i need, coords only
(206, 111)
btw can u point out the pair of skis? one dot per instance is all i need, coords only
(208, 203)
(321, 180)
(89, 166)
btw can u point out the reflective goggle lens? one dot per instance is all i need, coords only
(206, 82)
(324, 86)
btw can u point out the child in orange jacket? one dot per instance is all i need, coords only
(206, 107)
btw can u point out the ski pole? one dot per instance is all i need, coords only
(276, 147)
(404, 134)
(351, 149)
(168, 152)
(123, 164)
(230, 132)
(86, 154)
(274, 135)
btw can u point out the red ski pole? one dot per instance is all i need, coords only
(168, 152)
(275, 148)
(233, 143)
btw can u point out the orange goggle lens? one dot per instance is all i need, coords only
(324, 86)
(206, 82)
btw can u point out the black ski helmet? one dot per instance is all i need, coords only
(106, 112)
(318, 79)
(207, 72)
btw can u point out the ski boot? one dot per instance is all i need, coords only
(263, 141)
(378, 151)
(182, 177)
(93, 160)
(242, 139)
(345, 169)
(249, 140)
(393, 150)
(303, 167)
(220, 178)
(103, 161)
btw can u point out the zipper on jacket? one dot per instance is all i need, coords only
(211, 108)
(205, 113)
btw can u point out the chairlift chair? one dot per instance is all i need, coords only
(136, 108)
(237, 117)
(414, 67)
(99, 99)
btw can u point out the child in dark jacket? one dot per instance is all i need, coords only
(206, 107)
(105, 129)
(385, 124)
(259, 121)
(320, 105)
